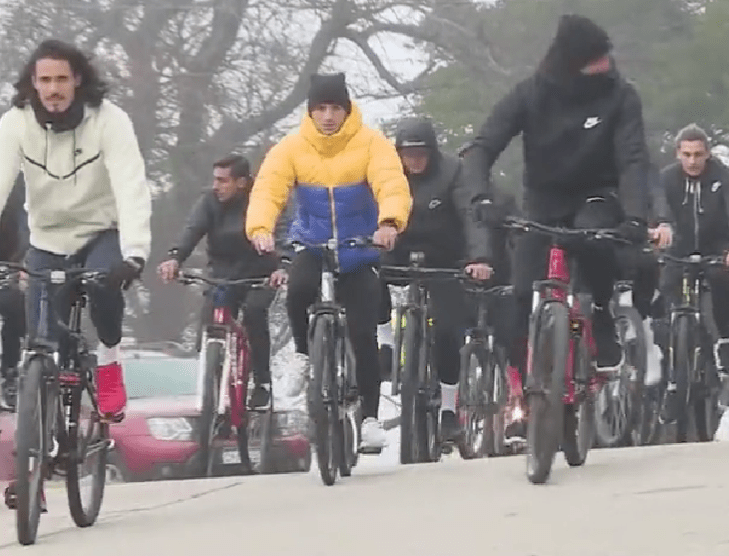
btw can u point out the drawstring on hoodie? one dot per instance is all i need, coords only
(73, 154)
(693, 187)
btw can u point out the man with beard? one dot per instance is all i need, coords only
(220, 215)
(586, 164)
(88, 201)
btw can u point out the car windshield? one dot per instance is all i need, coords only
(148, 377)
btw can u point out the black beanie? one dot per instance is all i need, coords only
(329, 89)
(579, 41)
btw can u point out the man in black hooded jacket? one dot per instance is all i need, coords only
(443, 227)
(220, 215)
(586, 162)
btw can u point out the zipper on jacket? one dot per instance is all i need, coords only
(335, 235)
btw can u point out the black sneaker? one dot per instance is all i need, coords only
(609, 352)
(516, 430)
(450, 431)
(669, 411)
(261, 397)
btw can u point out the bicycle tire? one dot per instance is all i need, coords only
(638, 355)
(428, 422)
(409, 449)
(85, 515)
(548, 337)
(324, 408)
(684, 342)
(499, 398)
(473, 403)
(580, 427)
(352, 422)
(706, 396)
(214, 359)
(266, 425)
(32, 426)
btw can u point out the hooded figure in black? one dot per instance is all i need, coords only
(443, 227)
(585, 166)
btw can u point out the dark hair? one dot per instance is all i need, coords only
(693, 132)
(92, 88)
(239, 166)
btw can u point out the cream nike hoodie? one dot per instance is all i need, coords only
(79, 182)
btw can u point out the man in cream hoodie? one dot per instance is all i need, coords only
(88, 201)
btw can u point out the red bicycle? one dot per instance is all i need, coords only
(562, 379)
(225, 356)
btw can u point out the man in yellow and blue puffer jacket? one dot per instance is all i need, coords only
(348, 182)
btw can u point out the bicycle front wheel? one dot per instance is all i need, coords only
(88, 447)
(214, 358)
(323, 400)
(549, 336)
(683, 365)
(477, 436)
(409, 445)
(32, 438)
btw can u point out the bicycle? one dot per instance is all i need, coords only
(225, 354)
(413, 373)
(692, 336)
(622, 414)
(333, 399)
(482, 392)
(56, 431)
(562, 380)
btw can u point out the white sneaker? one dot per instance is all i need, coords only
(655, 356)
(294, 380)
(373, 435)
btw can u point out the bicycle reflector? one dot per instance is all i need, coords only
(58, 277)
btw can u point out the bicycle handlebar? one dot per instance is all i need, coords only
(188, 278)
(428, 273)
(692, 260)
(55, 277)
(528, 226)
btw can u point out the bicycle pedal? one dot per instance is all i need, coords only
(368, 451)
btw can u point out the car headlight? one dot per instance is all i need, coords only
(293, 422)
(170, 428)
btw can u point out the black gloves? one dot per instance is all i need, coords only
(489, 213)
(634, 230)
(122, 275)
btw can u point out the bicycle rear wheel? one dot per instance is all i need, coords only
(32, 439)
(548, 337)
(323, 400)
(88, 447)
(214, 359)
(477, 435)
(579, 419)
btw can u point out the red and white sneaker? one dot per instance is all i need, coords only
(111, 394)
(515, 410)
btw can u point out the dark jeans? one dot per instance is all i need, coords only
(106, 304)
(359, 292)
(255, 304)
(12, 309)
(597, 262)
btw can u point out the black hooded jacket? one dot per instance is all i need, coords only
(230, 253)
(442, 223)
(583, 136)
(699, 209)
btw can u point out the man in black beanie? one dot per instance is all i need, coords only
(586, 163)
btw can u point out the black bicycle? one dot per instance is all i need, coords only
(414, 376)
(483, 393)
(59, 429)
(692, 337)
(333, 398)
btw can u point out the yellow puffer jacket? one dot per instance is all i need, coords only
(346, 183)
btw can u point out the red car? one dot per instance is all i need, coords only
(158, 437)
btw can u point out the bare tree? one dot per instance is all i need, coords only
(203, 77)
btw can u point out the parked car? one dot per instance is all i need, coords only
(158, 437)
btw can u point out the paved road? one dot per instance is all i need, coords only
(663, 501)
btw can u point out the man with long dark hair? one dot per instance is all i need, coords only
(87, 196)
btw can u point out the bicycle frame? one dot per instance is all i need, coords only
(559, 286)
